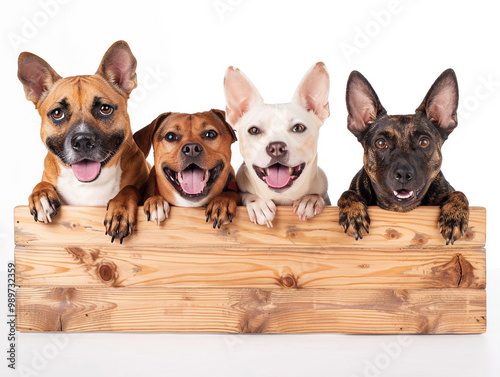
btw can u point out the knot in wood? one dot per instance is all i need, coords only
(469, 235)
(288, 281)
(291, 231)
(419, 239)
(107, 271)
(392, 234)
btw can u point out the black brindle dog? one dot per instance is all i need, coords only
(402, 157)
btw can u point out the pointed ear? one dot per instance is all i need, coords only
(222, 117)
(36, 75)
(240, 94)
(118, 67)
(144, 137)
(363, 105)
(441, 103)
(312, 92)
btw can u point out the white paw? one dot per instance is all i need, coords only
(308, 206)
(159, 212)
(46, 212)
(261, 211)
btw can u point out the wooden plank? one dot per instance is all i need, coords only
(233, 268)
(428, 311)
(186, 228)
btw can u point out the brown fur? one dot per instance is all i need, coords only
(221, 206)
(46, 89)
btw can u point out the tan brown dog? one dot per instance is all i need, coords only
(92, 158)
(192, 154)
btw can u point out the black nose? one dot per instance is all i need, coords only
(192, 149)
(83, 142)
(276, 149)
(404, 174)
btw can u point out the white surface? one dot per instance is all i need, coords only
(183, 49)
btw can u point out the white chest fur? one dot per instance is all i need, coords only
(96, 193)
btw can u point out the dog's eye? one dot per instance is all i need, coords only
(298, 128)
(57, 114)
(171, 137)
(106, 109)
(381, 144)
(210, 134)
(424, 142)
(253, 130)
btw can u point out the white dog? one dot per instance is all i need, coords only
(279, 145)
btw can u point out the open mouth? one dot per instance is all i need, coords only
(87, 170)
(193, 181)
(279, 176)
(404, 195)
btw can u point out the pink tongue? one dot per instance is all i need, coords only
(278, 176)
(192, 181)
(86, 170)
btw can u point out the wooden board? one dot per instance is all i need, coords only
(186, 228)
(302, 268)
(378, 311)
(297, 277)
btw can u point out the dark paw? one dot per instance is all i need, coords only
(120, 219)
(454, 218)
(353, 216)
(220, 211)
(44, 204)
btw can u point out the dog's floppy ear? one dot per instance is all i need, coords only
(144, 137)
(222, 116)
(363, 105)
(36, 75)
(118, 67)
(441, 103)
(312, 92)
(240, 94)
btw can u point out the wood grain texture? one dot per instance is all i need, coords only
(297, 277)
(186, 228)
(232, 268)
(428, 311)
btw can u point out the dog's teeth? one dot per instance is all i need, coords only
(206, 176)
(266, 171)
(178, 176)
(290, 171)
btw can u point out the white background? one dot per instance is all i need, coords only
(183, 49)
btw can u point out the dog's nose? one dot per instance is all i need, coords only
(404, 174)
(192, 149)
(83, 142)
(276, 149)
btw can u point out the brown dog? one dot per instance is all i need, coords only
(92, 159)
(192, 168)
